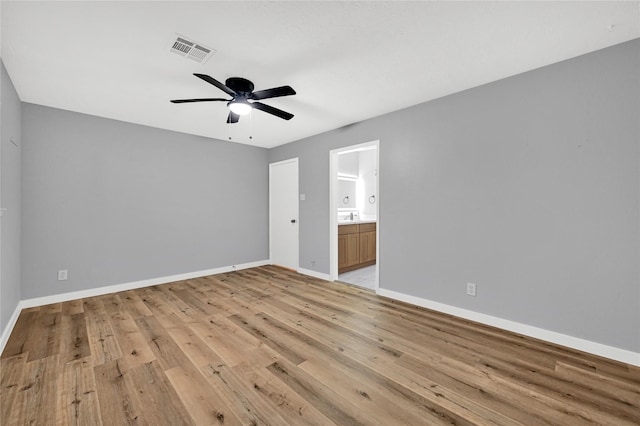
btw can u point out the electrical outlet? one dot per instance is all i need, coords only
(471, 289)
(63, 274)
(313, 263)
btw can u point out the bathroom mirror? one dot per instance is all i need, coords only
(346, 194)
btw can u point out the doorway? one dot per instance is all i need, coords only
(283, 213)
(354, 212)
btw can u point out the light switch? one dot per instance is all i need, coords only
(302, 197)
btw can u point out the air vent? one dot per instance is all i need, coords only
(190, 49)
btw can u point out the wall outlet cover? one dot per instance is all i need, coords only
(471, 289)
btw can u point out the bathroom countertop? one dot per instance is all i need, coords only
(355, 221)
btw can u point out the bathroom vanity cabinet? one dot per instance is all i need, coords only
(356, 246)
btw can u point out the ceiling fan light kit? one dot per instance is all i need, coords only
(243, 98)
(239, 106)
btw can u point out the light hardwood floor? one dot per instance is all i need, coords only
(269, 346)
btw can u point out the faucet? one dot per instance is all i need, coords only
(351, 216)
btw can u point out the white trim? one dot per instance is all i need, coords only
(81, 294)
(9, 327)
(73, 295)
(606, 351)
(281, 162)
(377, 200)
(599, 349)
(314, 274)
(333, 219)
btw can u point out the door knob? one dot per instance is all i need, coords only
(293, 221)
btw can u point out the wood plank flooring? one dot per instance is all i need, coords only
(267, 346)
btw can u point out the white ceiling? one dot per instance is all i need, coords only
(348, 61)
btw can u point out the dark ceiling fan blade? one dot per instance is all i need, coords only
(216, 83)
(271, 110)
(273, 93)
(233, 118)
(182, 101)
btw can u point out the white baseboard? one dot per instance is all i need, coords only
(314, 274)
(599, 349)
(81, 294)
(606, 351)
(4, 338)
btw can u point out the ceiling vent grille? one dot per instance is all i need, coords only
(190, 49)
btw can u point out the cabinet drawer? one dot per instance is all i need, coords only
(366, 227)
(347, 229)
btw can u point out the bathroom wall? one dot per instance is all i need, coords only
(348, 164)
(348, 169)
(359, 164)
(368, 194)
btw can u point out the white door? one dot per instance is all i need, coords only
(283, 213)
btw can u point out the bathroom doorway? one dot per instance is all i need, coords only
(355, 220)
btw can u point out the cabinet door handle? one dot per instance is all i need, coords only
(293, 221)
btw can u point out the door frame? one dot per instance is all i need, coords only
(333, 208)
(297, 213)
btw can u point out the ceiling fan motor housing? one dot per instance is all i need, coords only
(240, 85)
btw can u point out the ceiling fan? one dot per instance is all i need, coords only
(243, 98)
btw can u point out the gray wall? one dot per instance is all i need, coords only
(115, 202)
(10, 123)
(528, 187)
